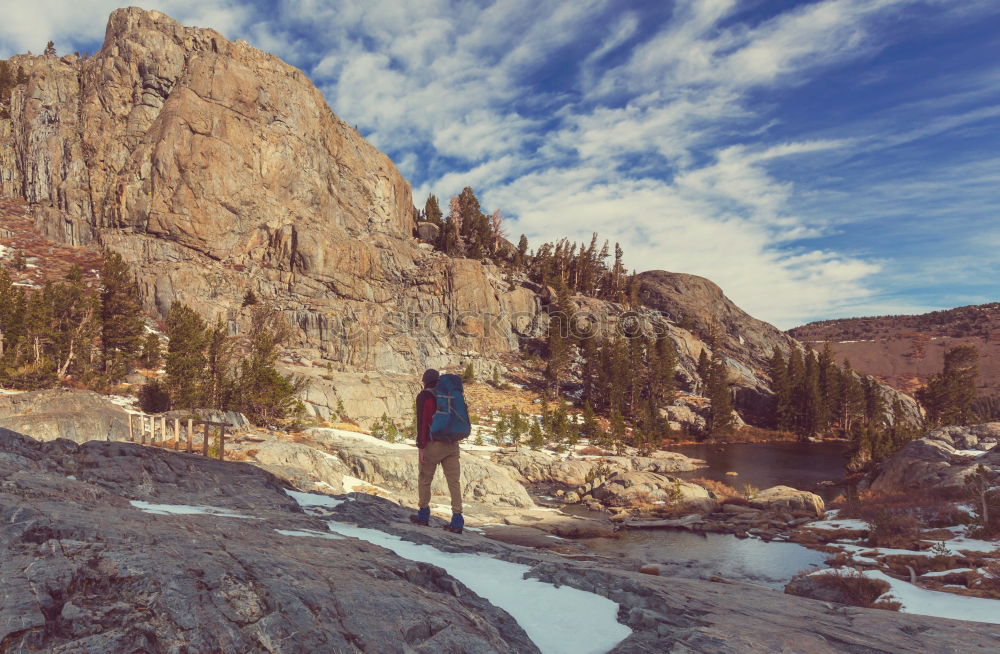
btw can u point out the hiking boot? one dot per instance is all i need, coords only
(422, 517)
(456, 525)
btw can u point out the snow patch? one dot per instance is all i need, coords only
(937, 604)
(314, 499)
(557, 619)
(309, 533)
(187, 509)
(847, 523)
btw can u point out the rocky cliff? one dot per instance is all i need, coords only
(217, 169)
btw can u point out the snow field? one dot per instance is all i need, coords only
(557, 620)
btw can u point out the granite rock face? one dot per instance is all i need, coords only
(941, 460)
(331, 454)
(85, 570)
(537, 466)
(216, 170)
(627, 489)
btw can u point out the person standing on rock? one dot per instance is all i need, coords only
(442, 420)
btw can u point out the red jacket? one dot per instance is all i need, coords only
(426, 406)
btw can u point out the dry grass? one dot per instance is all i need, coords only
(857, 589)
(724, 492)
(931, 509)
(347, 426)
(990, 581)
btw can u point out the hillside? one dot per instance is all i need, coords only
(903, 351)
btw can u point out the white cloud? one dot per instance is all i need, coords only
(668, 151)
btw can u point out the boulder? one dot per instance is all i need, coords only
(633, 488)
(684, 416)
(535, 466)
(428, 232)
(77, 415)
(777, 498)
(396, 468)
(934, 461)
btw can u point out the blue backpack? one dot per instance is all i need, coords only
(451, 418)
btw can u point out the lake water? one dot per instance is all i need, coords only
(686, 554)
(799, 465)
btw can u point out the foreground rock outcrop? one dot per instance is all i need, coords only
(85, 569)
(941, 460)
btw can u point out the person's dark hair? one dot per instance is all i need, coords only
(430, 377)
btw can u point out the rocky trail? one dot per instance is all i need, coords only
(87, 568)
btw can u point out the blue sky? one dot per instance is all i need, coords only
(815, 159)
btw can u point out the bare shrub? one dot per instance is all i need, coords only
(845, 586)
(893, 528)
(932, 508)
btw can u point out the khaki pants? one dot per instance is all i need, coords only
(447, 455)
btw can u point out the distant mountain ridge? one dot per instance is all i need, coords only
(903, 351)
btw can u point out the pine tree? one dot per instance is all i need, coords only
(536, 439)
(517, 426)
(432, 211)
(11, 319)
(502, 430)
(121, 317)
(783, 414)
(703, 369)
(662, 367)
(948, 396)
(219, 350)
(617, 433)
(561, 345)
(468, 375)
(151, 353)
(262, 393)
(185, 365)
(73, 325)
(721, 420)
(50, 49)
(808, 400)
(590, 371)
(521, 254)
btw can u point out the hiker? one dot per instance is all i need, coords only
(442, 421)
